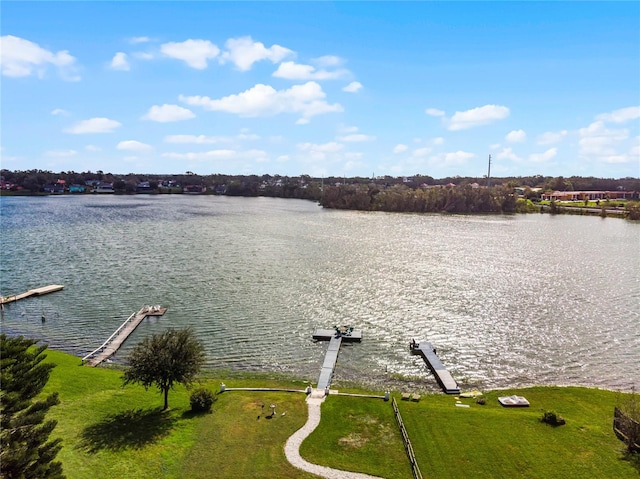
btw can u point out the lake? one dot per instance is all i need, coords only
(506, 300)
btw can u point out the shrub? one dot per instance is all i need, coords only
(201, 400)
(552, 418)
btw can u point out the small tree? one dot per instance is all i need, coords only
(164, 360)
(25, 452)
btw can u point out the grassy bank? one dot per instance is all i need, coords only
(111, 432)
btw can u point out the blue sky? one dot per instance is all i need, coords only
(322, 88)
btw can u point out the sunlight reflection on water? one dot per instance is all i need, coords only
(507, 300)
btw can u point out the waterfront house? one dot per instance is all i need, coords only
(104, 188)
(56, 189)
(588, 195)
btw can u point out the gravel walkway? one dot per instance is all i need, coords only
(292, 447)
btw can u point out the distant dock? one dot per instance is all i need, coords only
(32, 292)
(335, 337)
(111, 345)
(428, 353)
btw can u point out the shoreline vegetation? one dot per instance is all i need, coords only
(418, 194)
(108, 430)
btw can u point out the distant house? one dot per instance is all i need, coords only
(77, 189)
(194, 189)
(144, 187)
(104, 188)
(56, 189)
(587, 195)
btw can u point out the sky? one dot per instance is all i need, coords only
(322, 88)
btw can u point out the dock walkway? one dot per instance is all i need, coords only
(444, 378)
(32, 292)
(335, 337)
(111, 345)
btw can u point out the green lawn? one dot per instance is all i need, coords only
(495, 442)
(110, 431)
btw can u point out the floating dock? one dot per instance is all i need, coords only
(111, 345)
(335, 337)
(428, 353)
(32, 292)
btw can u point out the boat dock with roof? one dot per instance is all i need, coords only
(428, 353)
(111, 345)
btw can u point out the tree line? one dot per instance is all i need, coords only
(401, 198)
(266, 185)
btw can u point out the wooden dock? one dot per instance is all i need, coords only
(428, 353)
(335, 337)
(111, 345)
(32, 292)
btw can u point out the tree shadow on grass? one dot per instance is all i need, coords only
(632, 458)
(132, 429)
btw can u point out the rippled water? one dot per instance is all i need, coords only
(507, 300)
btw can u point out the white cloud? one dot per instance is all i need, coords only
(61, 153)
(136, 40)
(482, 115)
(194, 53)
(551, 137)
(543, 157)
(264, 100)
(168, 113)
(92, 148)
(94, 125)
(516, 136)
(438, 141)
(347, 129)
(508, 154)
(212, 154)
(243, 52)
(400, 148)
(421, 152)
(21, 58)
(458, 157)
(598, 140)
(330, 147)
(59, 111)
(434, 112)
(356, 137)
(199, 139)
(282, 158)
(302, 121)
(621, 116)
(120, 62)
(635, 149)
(298, 71)
(222, 154)
(353, 87)
(247, 136)
(133, 145)
(142, 55)
(328, 61)
(208, 140)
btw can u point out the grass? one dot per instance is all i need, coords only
(497, 442)
(109, 431)
(358, 434)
